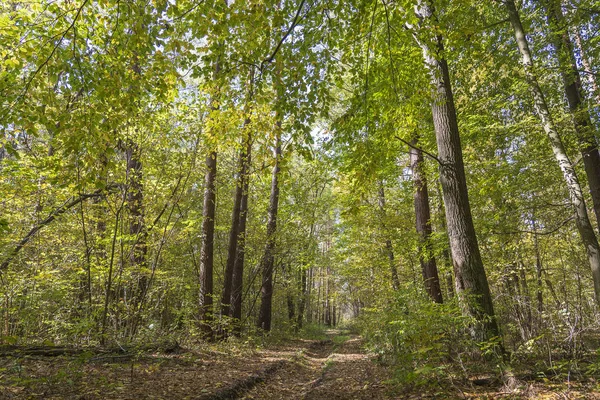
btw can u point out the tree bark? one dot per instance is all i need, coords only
(471, 280)
(576, 99)
(234, 233)
(267, 262)
(584, 226)
(207, 250)
(238, 267)
(303, 295)
(423, 226)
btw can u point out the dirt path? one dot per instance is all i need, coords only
(334, 369)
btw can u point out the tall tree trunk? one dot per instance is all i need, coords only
(234, 233)
(233, 240)
(576, 99)
(207, 250)
(586, 231)
(291, 305)
(447, 260)
(303, 295)
(309, 296)
(471, 281)
(327, 300)
(389, 250)
(238, 267)
(538, 269)
(267, 262)
(206, 267)
(423, 226)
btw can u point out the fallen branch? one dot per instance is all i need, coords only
(120, 352)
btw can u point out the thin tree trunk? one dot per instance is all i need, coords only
(471, 280)
(267, 262)
(207, 250)
(327, 302)
(538, 269)
(389, 250)
(233, 241)
(291, 305)
(447, 259)
(238, 267)
(206, 267)
(576, 99)
(303, 294)
(423, 226)
(309, 292)
(586, 231)
(234, 233)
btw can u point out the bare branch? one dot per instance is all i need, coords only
(420, 149)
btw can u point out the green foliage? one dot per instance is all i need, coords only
(417, 337)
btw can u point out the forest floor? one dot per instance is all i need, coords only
(331, 368)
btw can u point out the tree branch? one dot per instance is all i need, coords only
(284, 37)
(535, 232)
(72, 202)
(420, 149)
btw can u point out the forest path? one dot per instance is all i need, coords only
(337, 368)
(334, 368)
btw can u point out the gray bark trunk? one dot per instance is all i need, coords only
(423, 226)
(471, 280)
(267, 262)
(238, 267)
(584, 226)
(576, 99)
(207, 250)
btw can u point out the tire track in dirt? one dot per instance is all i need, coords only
(325, 371)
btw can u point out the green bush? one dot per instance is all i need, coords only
(415, 335)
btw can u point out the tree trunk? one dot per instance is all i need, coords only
(233, 242)
(206, 252)
(471, 280)
(266, 300)
(576, 99)
(238, 267)
(234, 233)
(447, 260)
(423, 226)
(586, 231)
(538, 270)
(389, 250)
(302, 302)
(291, 308)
